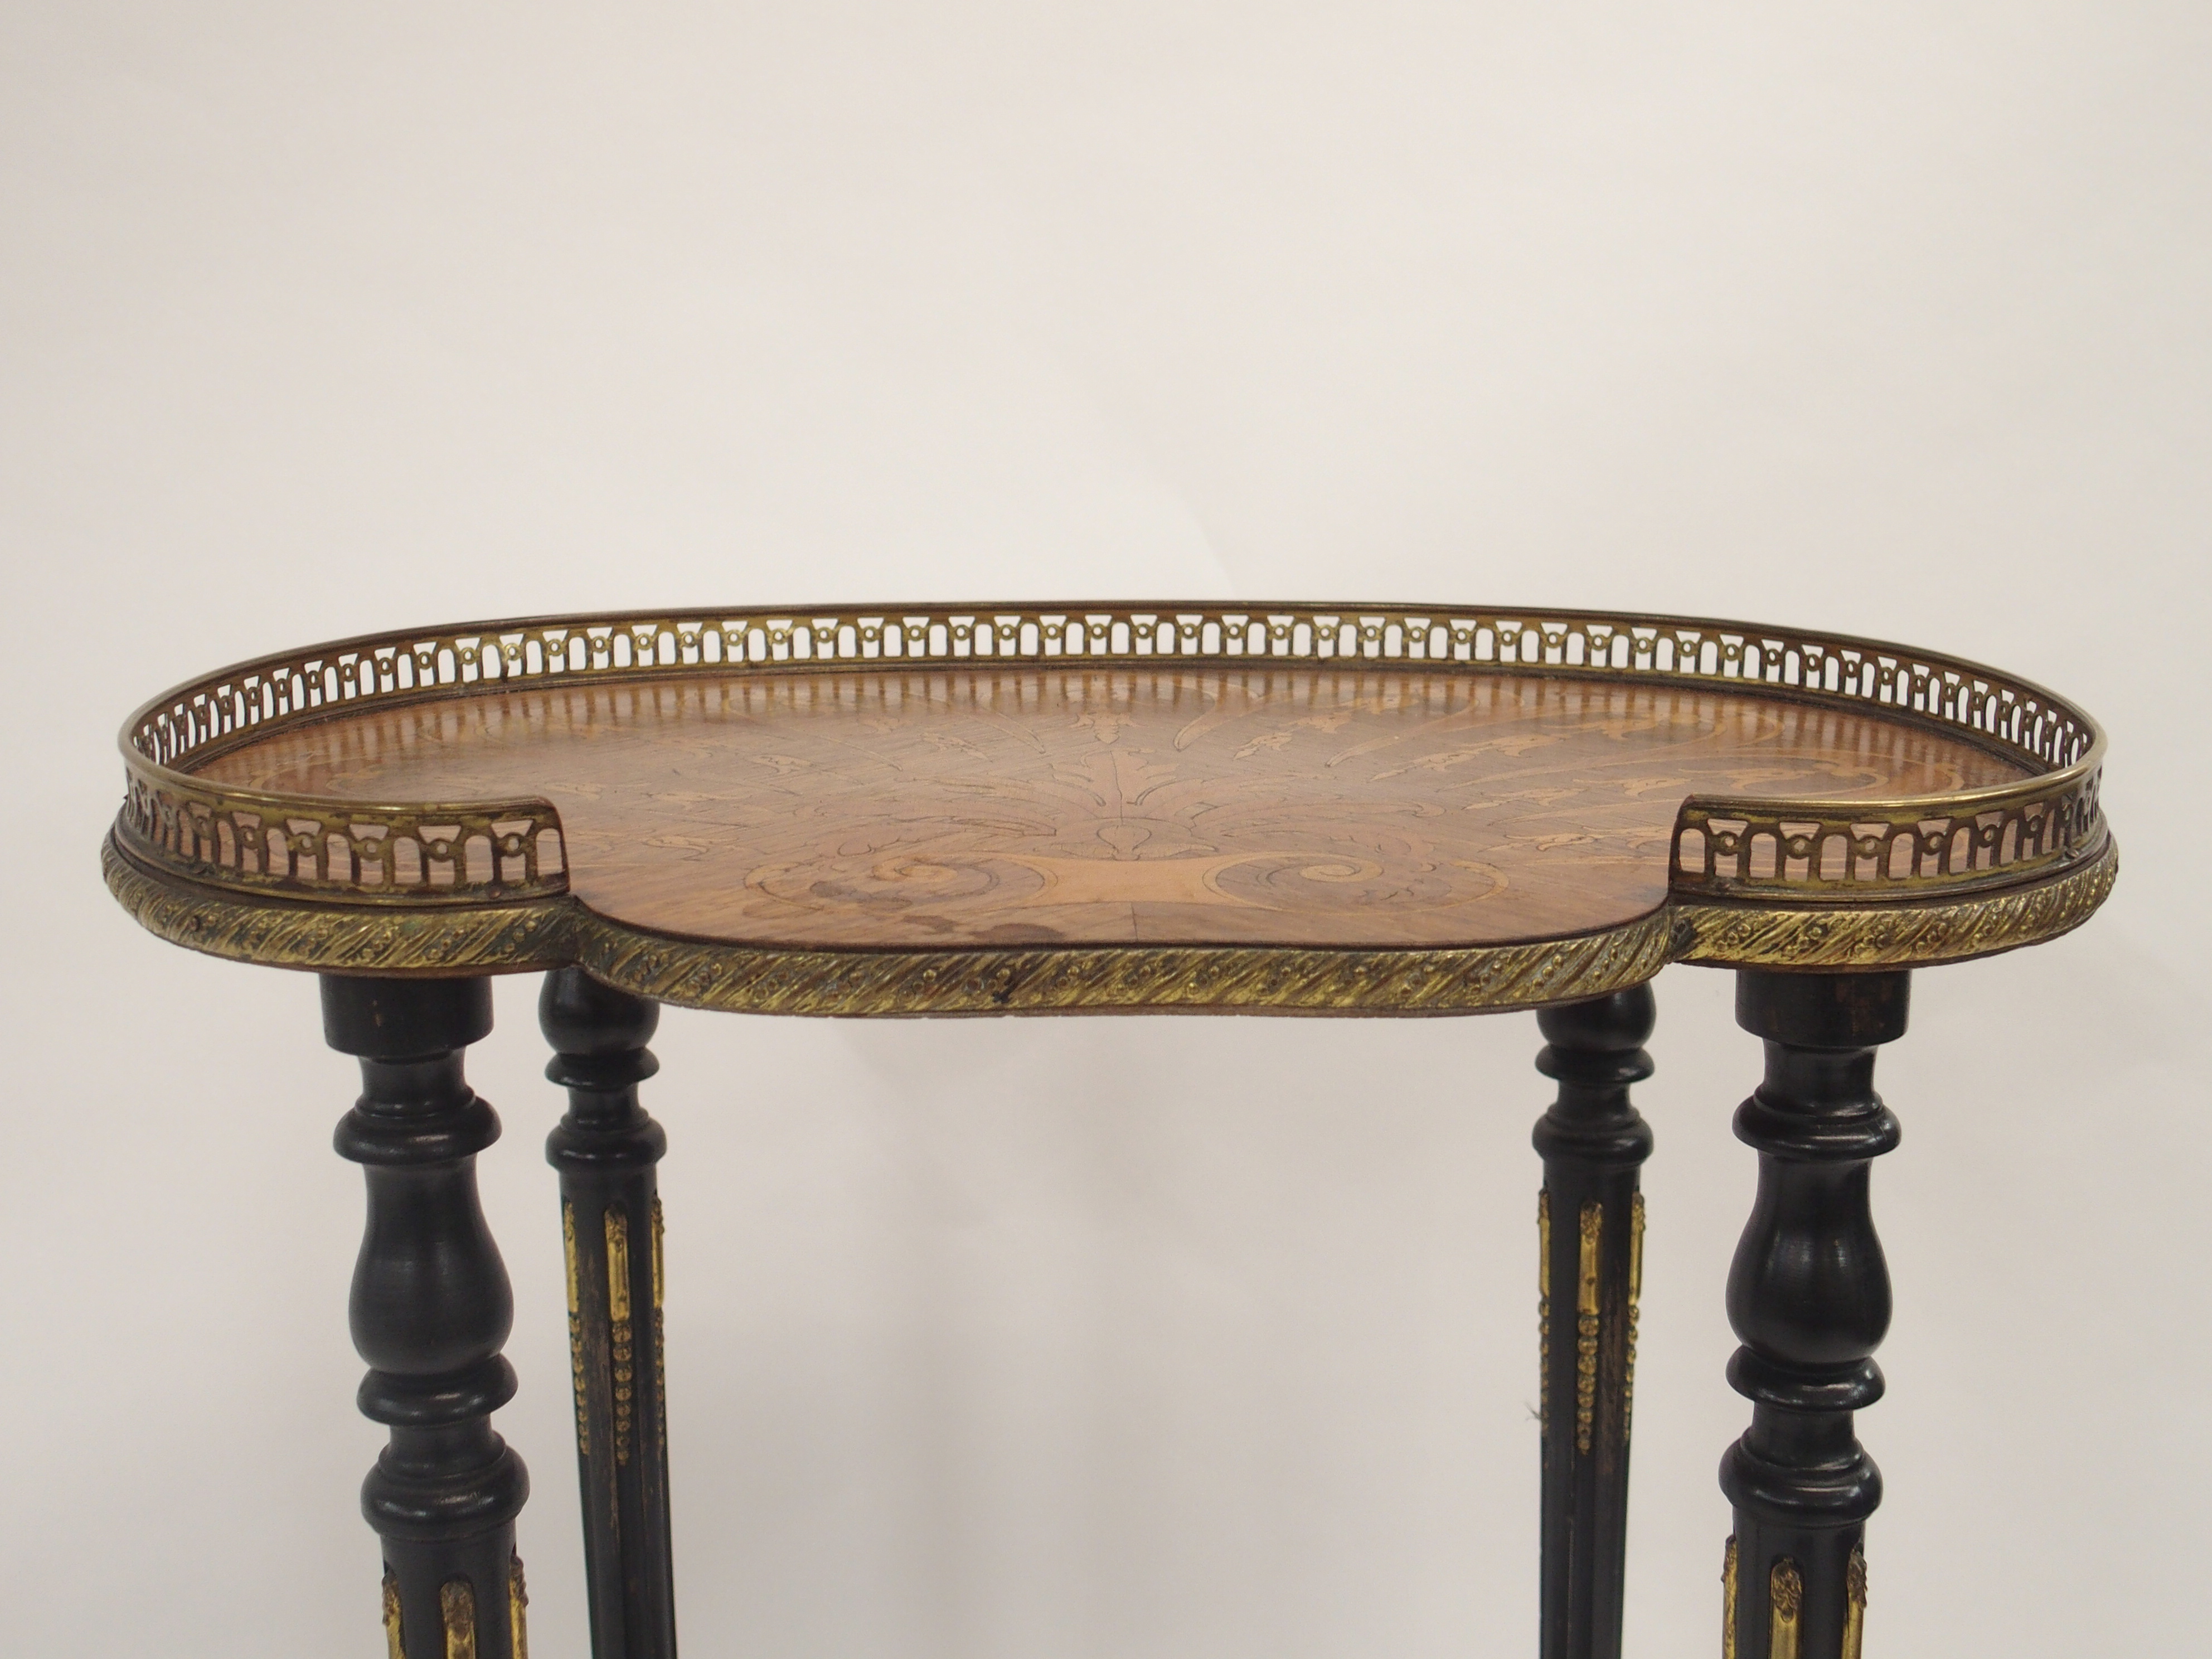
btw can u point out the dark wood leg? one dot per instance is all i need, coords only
(1809, 1294)
(430, 1308)
(604, 1148)
(1590, 1228)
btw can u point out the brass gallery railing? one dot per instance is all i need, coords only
(492, 851)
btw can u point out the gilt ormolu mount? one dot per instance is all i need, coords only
(917, 810)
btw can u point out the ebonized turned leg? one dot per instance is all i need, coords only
(604, 1148)
(1591, 1229)
(1809, 1294)
(430, 1308)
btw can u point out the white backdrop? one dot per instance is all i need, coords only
(1102, 1337)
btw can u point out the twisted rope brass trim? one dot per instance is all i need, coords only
(1736, 935)
(418, 854)
(544, 933)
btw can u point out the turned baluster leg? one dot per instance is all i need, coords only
(1809, 1294)
(430, 1308)
(1591, 1229)
(606, 1147)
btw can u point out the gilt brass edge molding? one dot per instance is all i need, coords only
(1165, 978)
(536, 935)
(325, 937)
(690, 973)
(1918, 935)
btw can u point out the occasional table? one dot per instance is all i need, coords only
(1202, 808)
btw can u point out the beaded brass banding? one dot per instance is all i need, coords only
(1543, 1310)
(617, 1230)
(1786, 1599)
(1635, 1300)
(1586, 1324)
(576, 1331)
(471, 853)
(659, 1333)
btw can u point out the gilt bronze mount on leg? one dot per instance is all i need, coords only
(1590, 1241)
(606, 1148)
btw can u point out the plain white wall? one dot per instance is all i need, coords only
(1102, 1338)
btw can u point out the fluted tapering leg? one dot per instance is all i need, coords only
(1591, 1229)
(430, 1309)
(1808, 1295)
(606, 1148)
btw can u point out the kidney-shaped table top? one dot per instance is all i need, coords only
(774, 790)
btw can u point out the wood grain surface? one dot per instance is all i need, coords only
(1308, 806)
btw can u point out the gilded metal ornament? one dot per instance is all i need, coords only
(323, 937)
(518, 1603)
(1786, 1600)
(1586, 1324)
(577, 1372)
(1855, 1603)
(660, 1332)
(395, 1634)
(618, 1317)
(538, 935)
(1635, 1302)
(1544, 1309)
(1728, 1599)
(457, 1607)
(1909, 935)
